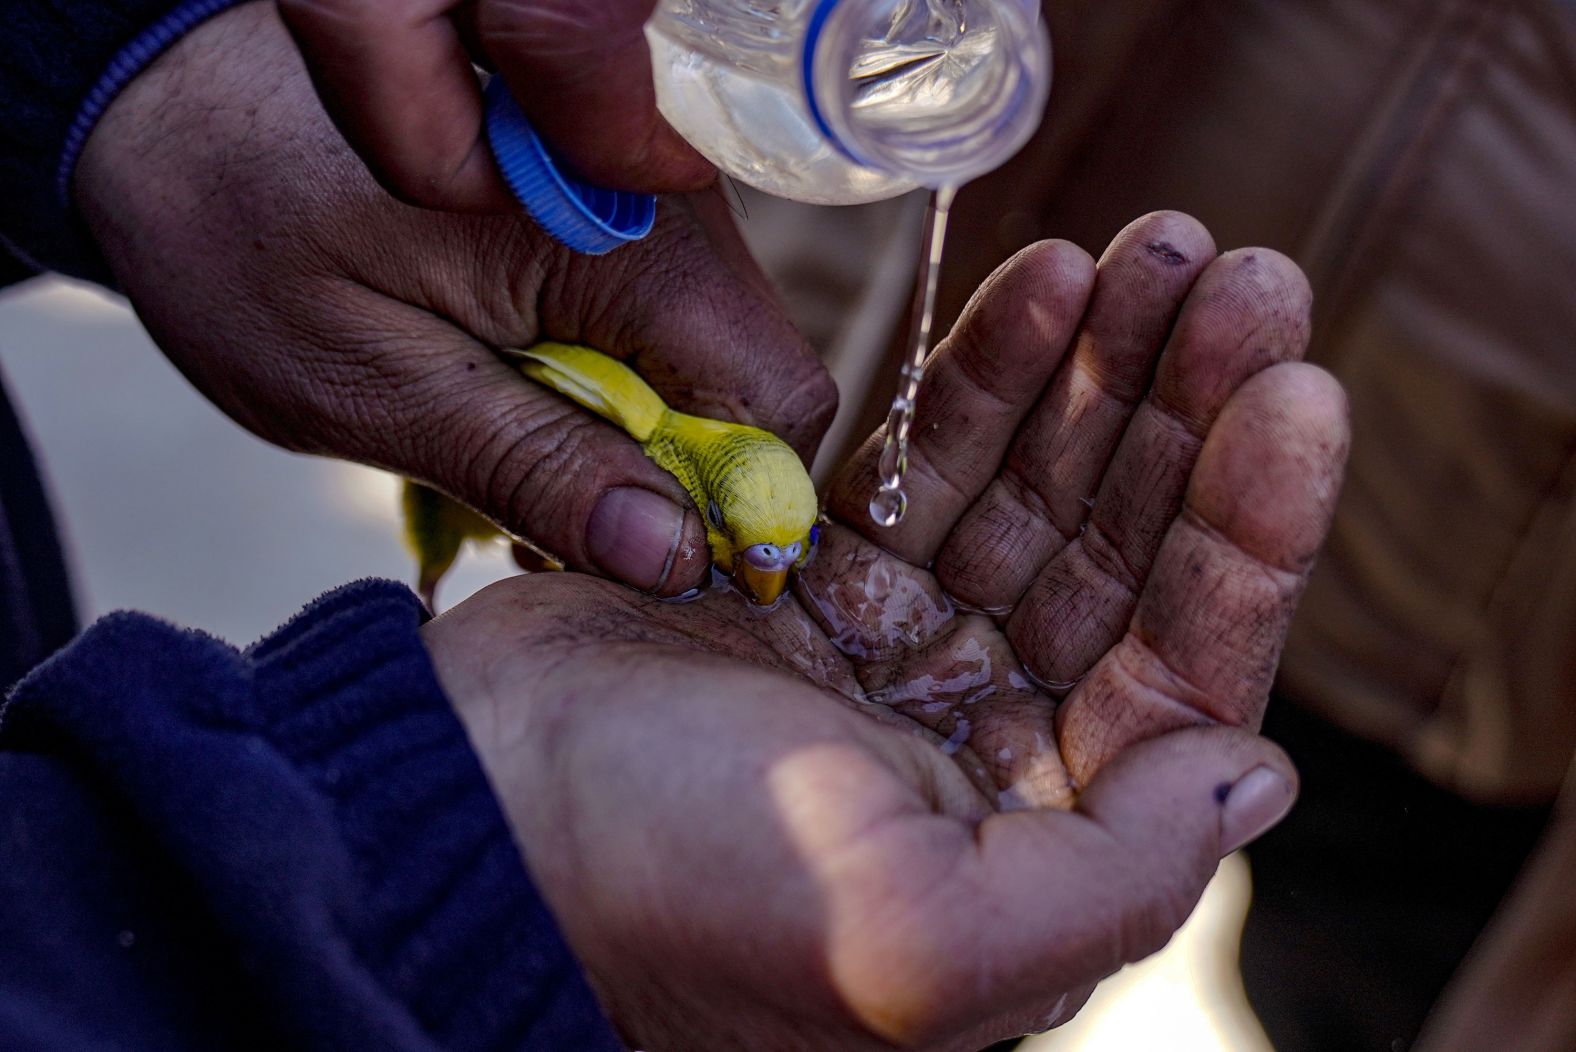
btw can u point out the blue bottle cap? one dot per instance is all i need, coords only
(586, 218)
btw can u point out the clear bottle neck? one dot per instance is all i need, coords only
(935, 91)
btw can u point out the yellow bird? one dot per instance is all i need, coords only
(435, 530)
(758, 500)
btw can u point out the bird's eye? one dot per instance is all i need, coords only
(714, 514)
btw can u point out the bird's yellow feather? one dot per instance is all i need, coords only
(750, 484)
(436, 528)
(604, 385)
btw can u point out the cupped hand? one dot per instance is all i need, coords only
(397, 77)
(329, 318)
(870, 817)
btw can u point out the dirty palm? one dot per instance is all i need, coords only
(1120, 476)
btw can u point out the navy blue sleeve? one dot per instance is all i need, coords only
(12, 270)
(62, 62)
(287, 847)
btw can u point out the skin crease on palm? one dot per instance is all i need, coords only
(853, 821)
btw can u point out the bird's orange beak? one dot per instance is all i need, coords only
(761, 587)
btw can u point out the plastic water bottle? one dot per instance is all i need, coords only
(847, 101)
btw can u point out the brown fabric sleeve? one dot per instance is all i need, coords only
(1517, 988)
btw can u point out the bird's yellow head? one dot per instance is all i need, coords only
(761, 520)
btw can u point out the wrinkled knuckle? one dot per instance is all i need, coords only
(972, 572)
(1032, 637)
(343, 399)
(679, 265)
(611, 299)
(980, 369)
(950, 479)
(1149, 671)
(982, 562)
(1108, 557)
(501, 289)
(807, 409)
(543, 476)
(1019, 489)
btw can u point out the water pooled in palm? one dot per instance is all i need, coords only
(890, 502)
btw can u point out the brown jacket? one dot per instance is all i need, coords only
(1418, 158)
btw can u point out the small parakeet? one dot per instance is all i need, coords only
(760, 505)
(436, 528)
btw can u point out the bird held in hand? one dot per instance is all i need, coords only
(436, 528)
(759, 503)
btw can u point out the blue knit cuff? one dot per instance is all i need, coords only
(321, 799)
(452, 926)
(123, 69)
(62, 63)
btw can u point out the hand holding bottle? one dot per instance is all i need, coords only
(397, 78)
(331, 319)
(824, 101)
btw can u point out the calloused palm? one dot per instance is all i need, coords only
(949, 785)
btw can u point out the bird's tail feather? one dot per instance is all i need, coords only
(601, 384)
(436, 527)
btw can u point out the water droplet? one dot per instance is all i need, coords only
(887, 506)
(960, 735)
(893, 464)
(1054, 688)
(987, 611)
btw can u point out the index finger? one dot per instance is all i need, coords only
(979, 385)
(398, 83)
(581, 71)
(397, 79)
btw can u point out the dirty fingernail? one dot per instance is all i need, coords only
(633, 535)
(1257, 801)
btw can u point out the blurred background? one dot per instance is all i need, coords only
(169, 507)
